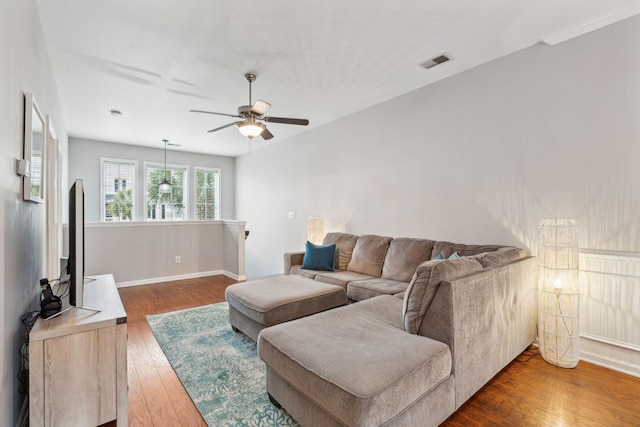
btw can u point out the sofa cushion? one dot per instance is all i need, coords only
(319, 257)
(341, 278)
(360, 370)
(404, 256)
(310, 274)
(425, 283)
(290, 259)
(447, 249)
(368, 255)
(383, 309)
(501, 256)
(365, 289)
(344, 248)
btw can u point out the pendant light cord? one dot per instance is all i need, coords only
(165, 158)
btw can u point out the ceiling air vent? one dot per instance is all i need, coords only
(435, 61)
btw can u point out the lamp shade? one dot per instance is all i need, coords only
(164, 187)
(559, 294)
(315, 230)
(251, 128)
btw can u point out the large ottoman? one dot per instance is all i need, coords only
(258, 304)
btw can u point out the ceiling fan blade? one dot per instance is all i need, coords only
(260, 107)
(266, 134)
(211, 112)
(223, 127)
(301, 122)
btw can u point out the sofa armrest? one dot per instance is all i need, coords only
(291, 259)
(487, 318)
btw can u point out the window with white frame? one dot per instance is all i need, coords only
(170, 206)
(118, 194)
(207, 194)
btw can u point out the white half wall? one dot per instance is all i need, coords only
(234, 252)
(481, 157)
(145, 252)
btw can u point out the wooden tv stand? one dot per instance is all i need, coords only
(78, 362)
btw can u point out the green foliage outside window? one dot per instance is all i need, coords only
(205, 195)
(122, 205)
(174, 199)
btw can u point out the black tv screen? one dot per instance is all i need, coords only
(76, 243)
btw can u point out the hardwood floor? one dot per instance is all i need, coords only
(528, 392)
(531, 392)
(156, 396)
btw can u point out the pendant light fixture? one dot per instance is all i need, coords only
(165, 186)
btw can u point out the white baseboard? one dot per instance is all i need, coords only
(242, 278)
(610, 354)
(180, 277)
(613, 363)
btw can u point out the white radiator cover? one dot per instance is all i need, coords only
(610, 309)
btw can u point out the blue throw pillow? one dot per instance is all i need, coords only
(454, 256)
(319, 257)
(440, 256)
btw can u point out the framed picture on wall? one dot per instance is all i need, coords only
(34, 150)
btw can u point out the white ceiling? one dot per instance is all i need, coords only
(154, 60)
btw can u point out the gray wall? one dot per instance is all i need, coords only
(481, 157)
(84, 163)
(24, 67)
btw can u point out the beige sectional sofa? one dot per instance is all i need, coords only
(425, 335)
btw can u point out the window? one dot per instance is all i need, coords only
(207, 194)
(127, 193)
(117, 184)
(165, 207)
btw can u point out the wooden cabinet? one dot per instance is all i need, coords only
(78, 362)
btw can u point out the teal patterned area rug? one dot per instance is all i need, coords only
(220, 369)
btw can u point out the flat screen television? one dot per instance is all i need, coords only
(76, 243)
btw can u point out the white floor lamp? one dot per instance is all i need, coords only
(315, 230)
(559, 295)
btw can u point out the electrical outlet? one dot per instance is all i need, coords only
(292, 215)
(178, 260)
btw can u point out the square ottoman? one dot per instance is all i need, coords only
(255, 305)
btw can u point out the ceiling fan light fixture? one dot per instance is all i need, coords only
(251, 128)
